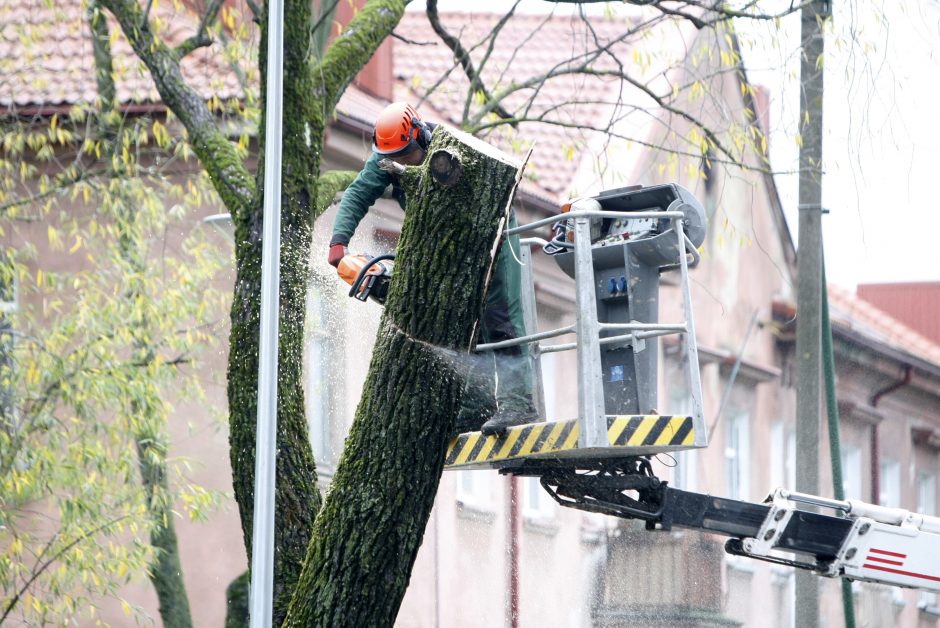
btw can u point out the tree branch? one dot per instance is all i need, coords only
(16, 598)
(255, 11)
(463, 57)
(101, 52)
(216, 153)
(201, 38)
(330, 184)
(718, 7)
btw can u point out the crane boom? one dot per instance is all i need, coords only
(849, 539)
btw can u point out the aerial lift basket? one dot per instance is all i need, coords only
(615, 245)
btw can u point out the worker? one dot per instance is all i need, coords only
(403, 137)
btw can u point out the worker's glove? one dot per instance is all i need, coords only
(337, 252)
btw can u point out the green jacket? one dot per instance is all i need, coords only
(361, 194)
(503, 300)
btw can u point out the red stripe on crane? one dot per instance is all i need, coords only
(887, 553)
(900, 572)
(885, 560)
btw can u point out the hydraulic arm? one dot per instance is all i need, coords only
(849, 539)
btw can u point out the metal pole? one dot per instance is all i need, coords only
(531, 319)
(809, 275)
(592, 420)
(262, 538)
(835, 451)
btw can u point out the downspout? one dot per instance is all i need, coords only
(514, 552)
(875, 438)
(904, 381)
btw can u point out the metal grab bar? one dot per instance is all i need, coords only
(561, 331)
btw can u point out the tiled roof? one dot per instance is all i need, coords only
(917, 304)
(46, 56)
(528, 45)
(853, 313)
(46, 62)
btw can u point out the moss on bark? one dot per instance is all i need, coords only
(367, 535)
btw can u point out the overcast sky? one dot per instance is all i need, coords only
(881, 147)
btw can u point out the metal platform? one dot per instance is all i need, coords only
(627, 436)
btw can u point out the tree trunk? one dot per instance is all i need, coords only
(367, 535)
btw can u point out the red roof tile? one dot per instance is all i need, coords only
(528, 45)
(851, 312)
(917, 304)
(46, 57)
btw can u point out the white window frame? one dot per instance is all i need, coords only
(684, 472)
(475, 490)
(537, 504)
(889, 485)
(926, 493)
(926, 486)
(852, 472)
(738, 454)
(549, 365)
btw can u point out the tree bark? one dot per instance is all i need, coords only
(368, 533)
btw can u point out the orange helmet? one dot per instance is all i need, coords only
(398, 129)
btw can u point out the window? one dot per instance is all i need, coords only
(549, 363)
(852, 472)
(927, 505)
(537, 503)
(474, 489)
(738, 455)
(926, 493)
(319, 366)
(890, 485)
(683, 475)
(782, 456)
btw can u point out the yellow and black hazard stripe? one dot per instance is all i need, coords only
(517, 442)
(652, 430)
(561, 436)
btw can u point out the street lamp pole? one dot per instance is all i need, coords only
(262, 537)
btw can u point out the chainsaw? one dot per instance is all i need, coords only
(369, 276)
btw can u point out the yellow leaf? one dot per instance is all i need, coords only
(77, 245)
(126, 607)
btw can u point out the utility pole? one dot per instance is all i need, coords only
(809, 276)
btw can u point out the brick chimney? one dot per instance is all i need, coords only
(376, 78)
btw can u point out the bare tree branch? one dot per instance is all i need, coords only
(463, 57)
(695, 9)
(413, 42)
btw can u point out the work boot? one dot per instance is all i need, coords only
(509, 416)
